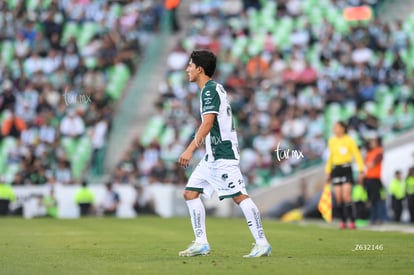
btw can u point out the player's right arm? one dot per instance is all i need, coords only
(210, 104)
(202, 132)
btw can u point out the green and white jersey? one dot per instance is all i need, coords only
(221, 142)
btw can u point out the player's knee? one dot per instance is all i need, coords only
(190, 195)
(347, 198)
(240, 198)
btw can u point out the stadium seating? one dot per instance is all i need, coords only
(81, 27)
(245, 35)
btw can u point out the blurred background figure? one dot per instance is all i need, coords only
(13, 125)
(410, 192)
(372, 179)
(110, 202)
(84, 198)
(72, 125)
(98, 135)
(144, 201)
(172, 6)
(397, 191)
(360, 199)
(50, 203)
(7, 196)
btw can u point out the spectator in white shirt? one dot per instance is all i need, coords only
(51, 62)
(71, 59)
(21, 46)
(110, 201)
(28, 96)
(361, 54)
(30, 135)
(24, 110)
(47, 133)
(399, 37)
(294, 7)
(300, 37)
(293, 126)
(63, 174)
(51, 95)
(98, 135)
(72, 125)
(265, 142)
(177, 59)
(33, 64)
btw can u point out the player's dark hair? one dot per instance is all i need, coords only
(206, 60)
(344, 126)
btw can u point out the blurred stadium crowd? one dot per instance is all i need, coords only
(63, 65)
(292, 68)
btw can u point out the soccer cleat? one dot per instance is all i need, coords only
(342, 225)
(195, 249)
(352, 225)
(259, 251)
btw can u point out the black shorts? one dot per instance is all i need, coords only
(373, 187)
(342, 174)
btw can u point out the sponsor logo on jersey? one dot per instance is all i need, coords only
(207, 100)
(206, 108)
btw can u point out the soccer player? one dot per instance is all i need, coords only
(219, 169)
(342, 151)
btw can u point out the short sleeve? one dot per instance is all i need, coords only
(210, 101)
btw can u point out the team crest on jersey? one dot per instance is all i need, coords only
(224, 176)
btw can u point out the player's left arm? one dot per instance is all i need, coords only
(202, 132)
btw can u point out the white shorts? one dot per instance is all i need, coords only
(222, 176)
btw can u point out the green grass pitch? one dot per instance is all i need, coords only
(150, 245)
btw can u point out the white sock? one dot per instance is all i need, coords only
(198, 220)
(252, 215)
